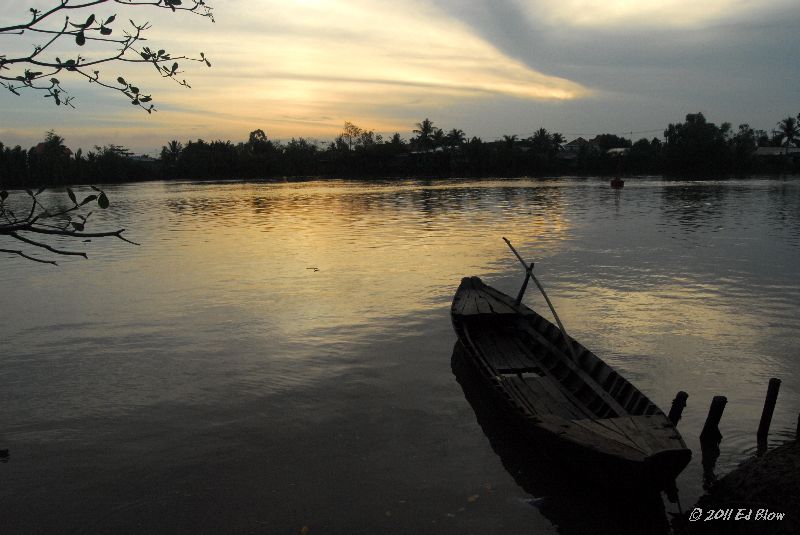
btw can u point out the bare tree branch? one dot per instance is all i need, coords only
(37, 223)
(45, 246)
(23, 255)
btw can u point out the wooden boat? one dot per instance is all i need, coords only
(577, 406)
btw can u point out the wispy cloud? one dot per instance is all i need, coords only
(661, 14)
(302, 67)
(362, 59)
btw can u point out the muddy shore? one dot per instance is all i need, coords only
(763, 492)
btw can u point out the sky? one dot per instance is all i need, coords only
(489, 67)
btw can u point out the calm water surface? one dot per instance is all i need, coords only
(210, 381)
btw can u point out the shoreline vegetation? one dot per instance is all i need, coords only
(693, 148)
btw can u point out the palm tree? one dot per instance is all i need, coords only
(789, 131)
(425, 131)
(49, 159)
(541, 140)
(54, 142)
(510, 141)
(455, 137)
(171, 151)
(437, 137)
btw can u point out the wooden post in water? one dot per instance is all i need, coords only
(710, 438)
(766, 414)
(797, 431)
(678, 405)
(710, 433)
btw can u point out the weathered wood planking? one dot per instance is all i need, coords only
(581, 402)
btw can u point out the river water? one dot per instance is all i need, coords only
(276, 357)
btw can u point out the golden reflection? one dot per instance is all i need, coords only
(379, 251)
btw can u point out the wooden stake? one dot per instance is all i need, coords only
(710, 433)
(797, 431)
(678, 405)
(766, 414)
(710, 438)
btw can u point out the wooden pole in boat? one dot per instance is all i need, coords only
(529, 273)
(521, 261)
(567, 339)
(766, 414)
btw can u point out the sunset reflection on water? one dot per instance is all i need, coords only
(273, 324)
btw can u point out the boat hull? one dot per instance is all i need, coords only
(582, 410)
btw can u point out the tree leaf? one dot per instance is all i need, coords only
(122, 81)
(102, 201)
(80, 40)
(72, 195)
(88, 199)
(110, 19)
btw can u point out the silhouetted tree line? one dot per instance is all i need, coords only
(693, 148)
(51, 163)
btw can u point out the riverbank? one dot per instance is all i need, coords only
(764, 492)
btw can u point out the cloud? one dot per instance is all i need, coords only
(361, 59)
(303, 67)
(621, 14)
(728, 58)
(490, 67)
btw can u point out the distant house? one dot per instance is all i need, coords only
(143, 159)
(570, 151)
(575, 145)
(768, 152)
(619, 151)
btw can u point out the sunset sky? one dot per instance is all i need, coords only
(489, 67)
